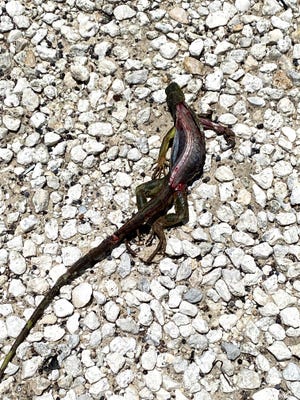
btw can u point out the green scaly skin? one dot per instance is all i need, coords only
(163, 192)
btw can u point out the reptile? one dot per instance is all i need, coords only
(154, 198)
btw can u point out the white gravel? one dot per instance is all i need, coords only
(82, 116)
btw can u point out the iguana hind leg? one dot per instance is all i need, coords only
(143, 193)
(147, 191)
(180, 216)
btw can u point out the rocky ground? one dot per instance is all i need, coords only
(82, 116)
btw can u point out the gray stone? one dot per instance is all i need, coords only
(193, 296)
(232, 350)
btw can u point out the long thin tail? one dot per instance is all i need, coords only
(151, 210)
(87, 261)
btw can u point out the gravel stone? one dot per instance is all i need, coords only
(17, 263)
(6, 24)
(179, 15)
(222, 290)
(295, 199)
(145, 316)
(224, 174)
(168, 50)
(248, 379)
(31, 367)
(265, 178)
(99, 129)
(153, 380)
(193, 296)
(228, 321)
(30, 100)
(53, 333)
(70, 255)
(91, 321)
(277, 331)
(196, 48)
(280, 351)
(14, 8)
(290, 316)
(262, 250)
(266, 394)
(40, 200)
(158, 290)
(78, 154)
(123, 12)
(188, 309)
(6, 155)
(291, 372)
(63, 308)
(136, 77)
(216, 19)
(115, 361)
(184, 272)
(214, 81)
(232, 351)
(12, 124)
(149, 359)
(81, 295)
(192, 66)
(80, 73)
(123, 180)
(127, 325)
(252, 83)
(28, 223)
(112, 311)
(242, 5)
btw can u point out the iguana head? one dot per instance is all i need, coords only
(174, 96)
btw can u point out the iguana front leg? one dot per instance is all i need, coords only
(162, 161)
(220, 130)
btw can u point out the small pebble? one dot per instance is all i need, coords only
(196, 47)
(266, 394)
(216, 19)
(280, 351)
(123, 12)
(214, 81)
(248, 379)
(63, 308)
(11, 123)
(81, 295)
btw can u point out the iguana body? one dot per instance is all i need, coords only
(186, 165)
